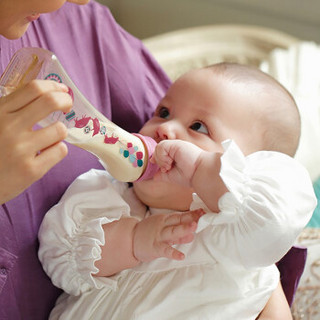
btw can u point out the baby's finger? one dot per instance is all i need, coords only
(164, 169)
(190, 216)
(161, 155)
(187, 239)
(173, 233)
(152, 159)
(164, 164)
(171, 253)
(184, 218)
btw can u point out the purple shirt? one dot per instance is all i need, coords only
(111, 68)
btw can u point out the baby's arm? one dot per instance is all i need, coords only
(129, 242)
(92, 225)
(269, 201)
(184, 163)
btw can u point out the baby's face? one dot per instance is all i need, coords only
(203, 109)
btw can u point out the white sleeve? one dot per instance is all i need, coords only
(270, 201)
(71, 232)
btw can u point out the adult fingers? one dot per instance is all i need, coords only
(45, 137)
(50, 157)
(45, 105)
(29, 169)
(28, 93)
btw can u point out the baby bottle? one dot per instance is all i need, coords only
(123, 154)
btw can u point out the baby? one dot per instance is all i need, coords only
(226, 134)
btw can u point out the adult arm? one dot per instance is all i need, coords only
(27, 154)
(277, 307)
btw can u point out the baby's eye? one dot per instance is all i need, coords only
(200, 127)
(163, 112)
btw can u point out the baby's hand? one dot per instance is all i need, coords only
(177, 161)
(162, 157)
(154, 236)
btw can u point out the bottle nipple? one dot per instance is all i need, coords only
(125, 155)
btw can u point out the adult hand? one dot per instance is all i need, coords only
(27, 154)
(155, 235)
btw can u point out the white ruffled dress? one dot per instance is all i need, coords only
(229, 270)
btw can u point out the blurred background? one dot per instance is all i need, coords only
(146, 18)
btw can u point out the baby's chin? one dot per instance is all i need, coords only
(159, 194)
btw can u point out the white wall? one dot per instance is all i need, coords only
(145, 18)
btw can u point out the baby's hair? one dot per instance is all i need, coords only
(279, 114)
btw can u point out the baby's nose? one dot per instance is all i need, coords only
(167, 131)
